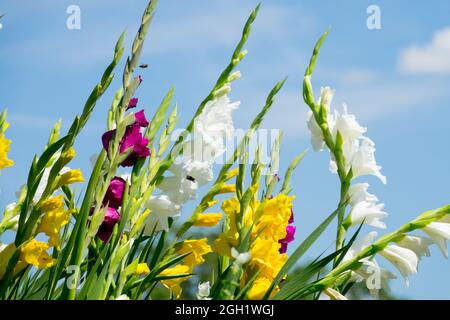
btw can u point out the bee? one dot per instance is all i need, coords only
(143, 66)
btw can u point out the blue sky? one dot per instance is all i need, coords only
(395, 80)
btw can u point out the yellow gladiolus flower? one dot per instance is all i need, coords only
(197, 249)
(54, 219)
(4, 149)
(259, 288)
(142, 269)
(208, 219)
(275, 217)
(68, 155)
(265, 255)
(35, 253)
(211, 203)
(174, 284)
(232, 173)
(69, 177)
(228, 188)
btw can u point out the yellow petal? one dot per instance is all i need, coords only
(208, 219)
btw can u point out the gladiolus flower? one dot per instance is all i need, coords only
(405, 260)
(196, 249)
(132, 138)
(142, 269)
(69, 177)
(259, 288)
(54, 218)
(132, 103)
(4, 149)
(114, 194)
(162, 208)
(439, 232)
(174, 283)
(204, 291)
(35, 253)
(208, 219)
(109, 221)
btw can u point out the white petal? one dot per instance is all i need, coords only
(347, 126)
(363, 160)
(439, 232)
(420, 245)
(358, 192)
(204, 291)
(316, 133)
(368, 213)
(405, 260)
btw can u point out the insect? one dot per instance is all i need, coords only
(143, 66)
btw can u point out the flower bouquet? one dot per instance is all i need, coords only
(130, 234)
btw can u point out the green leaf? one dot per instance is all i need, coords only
(159, 116)
(286, 187)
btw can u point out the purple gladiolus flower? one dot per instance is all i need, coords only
(132, 138)
(106, 229)
(141, 120)
(133, 103)
(114, 194)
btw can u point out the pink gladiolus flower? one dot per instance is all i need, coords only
(132, 138)
(106, 229)
(133, 103)
(114, 194)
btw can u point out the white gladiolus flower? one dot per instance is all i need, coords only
(326, 97)
(420, 245)
(358, 150)
(358, 193)
(375, 277)
(194, 168)
(439, 232)
(162, 208)
(215, 123)
(240, 258)
(179, 189)
(204, 291)
(405, 260)
(361, 159)
(316, 133)
(368, 213)
(123, 297)
(201, 171)
(348, 127)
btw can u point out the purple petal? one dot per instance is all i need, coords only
(106, 138)
(291, 218)
(283, 247)
(114, 194)
(133, 103)
(106, 229)
(141, 120)
(290, 232)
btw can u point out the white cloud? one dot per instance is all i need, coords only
(222, 27)
(358, 76)
(433, 58)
